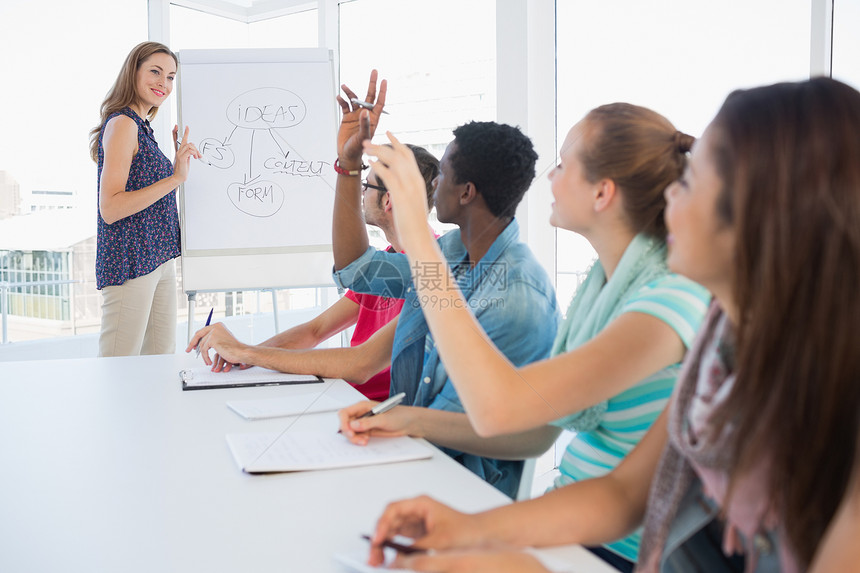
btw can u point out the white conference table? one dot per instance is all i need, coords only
(107, 465)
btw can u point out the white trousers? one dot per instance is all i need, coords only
(139, 316)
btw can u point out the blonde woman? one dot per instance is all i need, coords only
(138, 223)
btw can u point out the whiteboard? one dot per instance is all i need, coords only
(256, 211)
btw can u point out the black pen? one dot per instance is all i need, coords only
(208, 320)
(400, 548)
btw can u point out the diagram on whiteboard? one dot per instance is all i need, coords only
(266, 131)
(264, 115)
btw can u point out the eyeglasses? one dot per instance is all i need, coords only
(365, 185)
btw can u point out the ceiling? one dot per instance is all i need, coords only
(248, 10)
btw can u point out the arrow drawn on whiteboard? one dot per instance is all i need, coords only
(226, 141)
(285, 154)
(274, 132)
(247, 181)
(251, 155)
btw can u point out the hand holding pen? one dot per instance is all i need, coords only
(362, 410)
(364, 104)
(228, 350)
(433, 525)
(359, 120)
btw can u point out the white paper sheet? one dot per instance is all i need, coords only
(294, 404)
(302, 450)
(358, 563)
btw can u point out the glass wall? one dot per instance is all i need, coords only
(846, 41)
(678, 57)
(434, 83)
(49, 301)
(59, 60)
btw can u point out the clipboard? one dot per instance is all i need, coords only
(202, 378)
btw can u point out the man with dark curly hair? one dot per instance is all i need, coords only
(483, 176)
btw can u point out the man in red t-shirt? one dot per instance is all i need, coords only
(369, 313)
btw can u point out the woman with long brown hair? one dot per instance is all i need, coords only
(138, 223)
(754, 466)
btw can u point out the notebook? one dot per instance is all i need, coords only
(202, 378)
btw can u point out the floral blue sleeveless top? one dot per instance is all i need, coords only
(140, 243)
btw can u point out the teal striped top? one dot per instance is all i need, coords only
(682, 305)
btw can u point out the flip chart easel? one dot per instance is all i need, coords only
(255, 213)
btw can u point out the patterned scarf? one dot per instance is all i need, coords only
(674, 473)
(598, 302)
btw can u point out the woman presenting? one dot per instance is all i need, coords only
(138, 223)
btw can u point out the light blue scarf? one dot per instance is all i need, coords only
(598, 302)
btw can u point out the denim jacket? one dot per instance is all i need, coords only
(508, 292)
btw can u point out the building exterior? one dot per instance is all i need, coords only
(10, 195)
(42, 247)
(47, 200)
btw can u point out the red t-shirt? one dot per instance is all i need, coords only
(374, 312)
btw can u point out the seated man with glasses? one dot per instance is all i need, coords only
(365, 367)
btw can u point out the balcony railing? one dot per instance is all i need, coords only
(5, 287)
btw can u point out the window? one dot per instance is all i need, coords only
(57, 74)
(846, 42)
(434, 83)
(48, 301)
(439, 59)
(678, 58)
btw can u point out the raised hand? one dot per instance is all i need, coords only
(357, 123)
(185, 151)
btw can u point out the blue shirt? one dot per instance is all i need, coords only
(138, 244)
(509, 293)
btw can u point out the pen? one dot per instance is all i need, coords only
(208, 321)
(383, 407)
(405, 549)
(364, 104)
